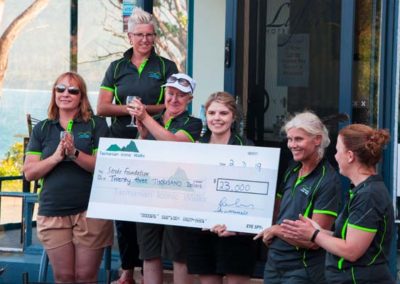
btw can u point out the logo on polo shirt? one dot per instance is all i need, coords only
(84, 135)
(305, 189)
(155, 75)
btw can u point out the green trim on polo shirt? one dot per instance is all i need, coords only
(168, 124)
(34, 153)
(353, 276)
(326, 212)
(115, 91)
(107, 89)
(117, 65)
(160, 96)
(239, 139)
(307, 212)
(94, 151)
(343, 235)
(380, 243)
(162, 89)
(187, 134)
(44, 123)
(117, 100)
(142, 65)
(369, 230)
(299, 180)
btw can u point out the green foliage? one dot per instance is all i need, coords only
(12, 166)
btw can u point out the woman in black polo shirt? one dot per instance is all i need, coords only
(227, 254)
(65, 164)
(174, 124)
(140, 72)
(359, 248)
(310, 186)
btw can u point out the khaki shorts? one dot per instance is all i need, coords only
(91, 233)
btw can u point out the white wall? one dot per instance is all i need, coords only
(208, 49)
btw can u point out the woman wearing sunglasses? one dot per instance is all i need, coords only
(174, 124)
(61, 152)
(227, 254)
(140, 72)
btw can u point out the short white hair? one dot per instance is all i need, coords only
(140, 17)
(311, 124)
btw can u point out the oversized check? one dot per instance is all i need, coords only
(185, 184)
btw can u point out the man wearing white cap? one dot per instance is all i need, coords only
(174, 124)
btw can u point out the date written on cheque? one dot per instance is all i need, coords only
(243, 186)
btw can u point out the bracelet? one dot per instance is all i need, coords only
(314, 235)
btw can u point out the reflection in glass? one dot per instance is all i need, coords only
(367, 56)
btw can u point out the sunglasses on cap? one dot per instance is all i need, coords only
(60, 88)
(181, 81)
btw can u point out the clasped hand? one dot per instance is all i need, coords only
(301, 229)
(65, 148)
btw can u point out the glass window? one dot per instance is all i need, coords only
(367, 56)
(39, 53)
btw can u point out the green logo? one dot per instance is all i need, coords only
(131, 147)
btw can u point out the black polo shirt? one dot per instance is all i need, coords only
(190, 125)
(66, 188)
(234, 139)
(124, 79)
(318, 192)
(369, 208)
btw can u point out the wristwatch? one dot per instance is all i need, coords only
(75, 155)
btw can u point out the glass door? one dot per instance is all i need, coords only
(293, 65)
(293, 53)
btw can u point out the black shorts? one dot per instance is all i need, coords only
(209, 254)
(164, 241)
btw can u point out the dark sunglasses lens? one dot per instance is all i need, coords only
(183, 82)
(60, 88)
(73, 91)
(171, 79)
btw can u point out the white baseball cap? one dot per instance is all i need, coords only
(182, 82)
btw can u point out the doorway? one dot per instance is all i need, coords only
(291, 64)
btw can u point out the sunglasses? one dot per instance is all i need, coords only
(60, 88)
(181, 81)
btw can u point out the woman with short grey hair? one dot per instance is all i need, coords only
(310, 187)
(140, 17)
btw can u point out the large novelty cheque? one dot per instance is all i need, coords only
(185, 184)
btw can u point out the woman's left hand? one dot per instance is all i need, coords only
(222, 231)
(301, 229)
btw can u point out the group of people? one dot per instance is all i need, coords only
(62, 152)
